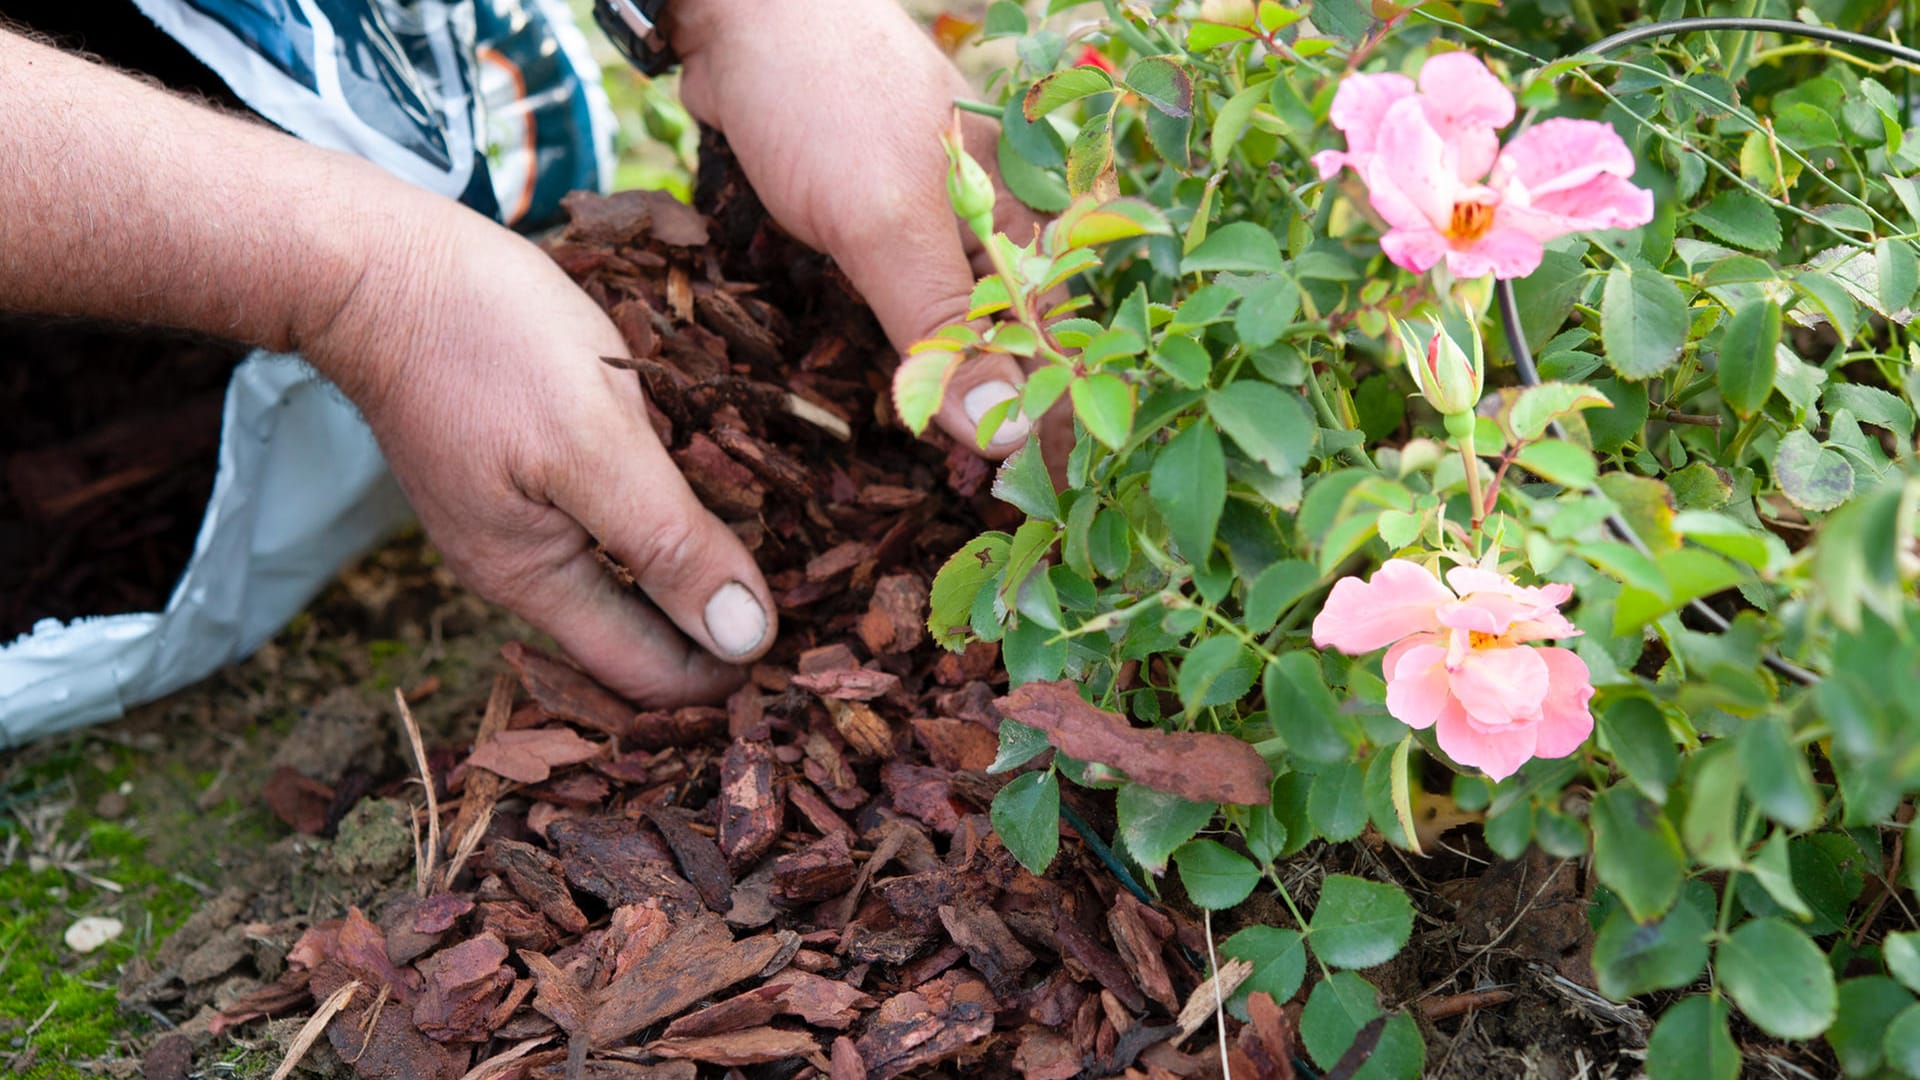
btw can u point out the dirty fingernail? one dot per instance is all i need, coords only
(735, 620)
(984, 397)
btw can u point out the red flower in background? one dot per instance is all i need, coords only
(1092, 57)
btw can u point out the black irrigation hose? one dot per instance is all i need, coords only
(1510, 308)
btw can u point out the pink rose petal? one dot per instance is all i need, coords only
(1501, 686)
(1359, 617)
(1565, 719)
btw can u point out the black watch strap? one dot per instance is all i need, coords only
(634, 28)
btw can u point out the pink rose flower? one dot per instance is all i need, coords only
(1431, 158)
(1460, 661)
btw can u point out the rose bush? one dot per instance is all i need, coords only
(1670, 477)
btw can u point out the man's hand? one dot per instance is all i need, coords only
(835, 109)
(475, 359)
(477, 363)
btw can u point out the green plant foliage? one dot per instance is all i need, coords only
(1731, 381)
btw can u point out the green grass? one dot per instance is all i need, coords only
(74, 997)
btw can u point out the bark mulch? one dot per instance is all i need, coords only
(801, 882)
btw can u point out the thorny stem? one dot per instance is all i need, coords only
(1294, 910)
(1356, 455)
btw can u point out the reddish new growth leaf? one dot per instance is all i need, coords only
(1198, 766)
(530, 756)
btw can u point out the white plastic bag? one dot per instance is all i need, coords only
(301, 489)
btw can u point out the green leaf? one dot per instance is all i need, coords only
(1902, 1041)
(1172, 138)
(1813, 477)
(1303, 711)
(950, 601)
(1110, 344)
(1868, 1007)
(1902, 949)
(1779, 978)
(1337, 802)
(1272, 426)
(1899, 272)
(1183, 358)
(1806, 127)
(1359, 923)
(920, 385)
(1032, 653)
(1019, 744)
(1231, 121)
(1538, 406)
(1062, 87)
(1636, 852)
(1713, 789)
(1691, 1043)
(1279, 959)
(1041, 187)
(1219, 671)
(1632, 958)
(1004, 19)
(1871, 405)
(1722, 534)
(1643, 321)
(1339, 1006)
(1154, 823)
(1642, 746)
(1265, 833)
(1240, 246)
(1741, 219)
(1561, 462)
(1690, 573)
(1022, 480)
(1104, 403)
(1026, 814)
(1090, 158)
(1189, 485)
(1215, 877)
(1746, 356)
(1778, 777)
(1278, 588)
(1163, 84)
(1267, 311)
(1090, 225)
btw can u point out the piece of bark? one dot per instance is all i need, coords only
(858, 684)
(815, 872)
(727, 487)
(1197, 766)
(827, 565)
(846, 1063)
(169, 1058)
(978, 661)
(462, 985)
(779, 471)
(700, 958)
(751, 806)
(1139, 946)
(957, 745)
(1109, 970)
(747, 714)
(817, 813)
(1267, 1041)
(930, 1023)
(991, 947)
(700, 859)
(750, 1046)
(564, 692)
(746, 338)
(751, 906)
(688, 726)
(818, 1000)
(750, 1008)
(299, 802)
(617, 861)
(560, 997)
(375, 1032)
(536, 877)
(1045, 1055)
(530, 756)
(834, 657)
(866, 733)
(414, 925)
(896, 618)
(891, 497)
(923, 793)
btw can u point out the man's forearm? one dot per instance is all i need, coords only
(121, 201)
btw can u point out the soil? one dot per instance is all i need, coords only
(802, 882)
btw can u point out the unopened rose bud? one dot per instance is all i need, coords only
(1448, 376)
(1227, 12)
(967, 183)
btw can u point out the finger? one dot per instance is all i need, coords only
(632, 498)
(615, 635)
(981, 383)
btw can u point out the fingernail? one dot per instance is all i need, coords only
(735, 620)
(984, 397)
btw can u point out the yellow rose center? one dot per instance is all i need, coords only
(1471, 220)
(1481, 640)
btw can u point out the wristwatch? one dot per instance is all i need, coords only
(634, 28)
